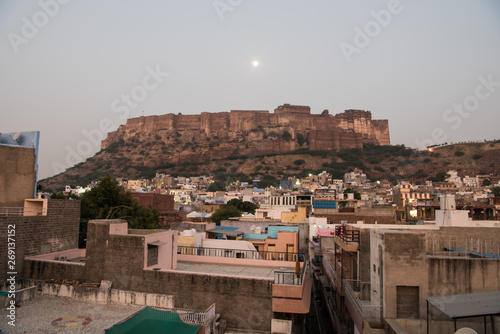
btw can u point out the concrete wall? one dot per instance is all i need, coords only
(34, 235)
(458, 276)
(364, 256)
(17, 175)
(107, 295)
(244, 302)
(404, 265)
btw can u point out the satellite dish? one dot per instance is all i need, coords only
(16, 136)
(252, 228)
(466, 330)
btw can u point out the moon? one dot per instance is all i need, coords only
(255, 63)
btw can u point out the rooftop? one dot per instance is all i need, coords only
(231, 269)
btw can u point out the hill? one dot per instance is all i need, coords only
(379, 162)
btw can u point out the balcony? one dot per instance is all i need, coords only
(347, 239)
(358, 302)
(290, 278)
(292, 291)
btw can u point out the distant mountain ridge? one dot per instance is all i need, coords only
(247, 144)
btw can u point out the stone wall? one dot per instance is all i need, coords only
(323, 132)
(17, 175)
(34, 235)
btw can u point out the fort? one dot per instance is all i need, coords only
(254, 132)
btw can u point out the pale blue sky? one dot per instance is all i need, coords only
(64, 78)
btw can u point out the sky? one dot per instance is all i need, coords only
(75, 70)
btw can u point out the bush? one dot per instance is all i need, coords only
(459, 154)
(286, 136)
(300, 139)
(299, 162)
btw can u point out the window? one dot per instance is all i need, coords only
(152, 255)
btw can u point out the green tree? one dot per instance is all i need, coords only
(217, 186)
(350, 190)
(268, 181)
(243, 205)
(487, 182)
(286, 136)
(58, 195)
(107, 200)
(225, 212)
(496, 191)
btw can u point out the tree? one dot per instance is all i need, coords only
(496, 191)
(225, 212)
(487, 182)
(107, 200)
(58, 195)
(243, 206)
(356, 194)
(286, 136)
(217, 186)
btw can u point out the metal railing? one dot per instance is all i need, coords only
(194, 317)
(359, 294)
(290, 277)
(240, 254)
(347, 235)
(21, 211)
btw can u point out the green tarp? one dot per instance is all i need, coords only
(153, 321)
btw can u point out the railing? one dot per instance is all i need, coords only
(21, 211)
(347, 235)
(199, 318)
(290, 277)
(240, 254)
(359, 294)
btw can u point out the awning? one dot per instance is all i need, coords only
(468, 305)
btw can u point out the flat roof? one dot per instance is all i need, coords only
(468, 305)
(226, 232)
(231, 269)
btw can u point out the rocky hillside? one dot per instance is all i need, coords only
(132, 160)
